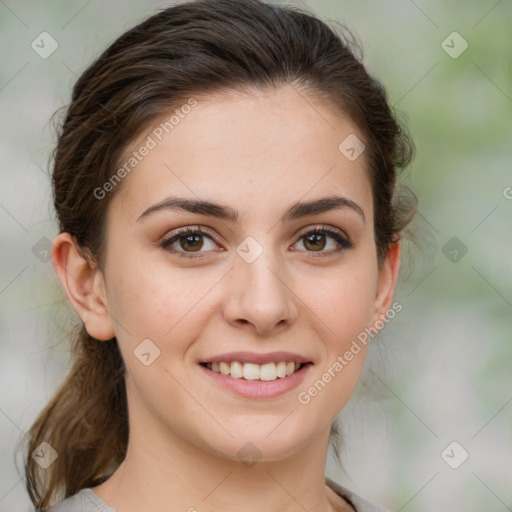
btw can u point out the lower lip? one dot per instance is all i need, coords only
(259, 388)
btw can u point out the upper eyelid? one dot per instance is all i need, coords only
(209, 232)
(188, 229)
(320, 227)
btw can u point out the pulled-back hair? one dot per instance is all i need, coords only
(187, 50)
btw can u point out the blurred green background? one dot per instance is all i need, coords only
(441, 370)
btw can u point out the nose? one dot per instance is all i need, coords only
(258, 296)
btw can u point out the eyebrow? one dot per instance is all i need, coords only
(296, 211)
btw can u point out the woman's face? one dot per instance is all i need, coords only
(260, 285)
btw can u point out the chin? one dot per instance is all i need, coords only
(267, 442)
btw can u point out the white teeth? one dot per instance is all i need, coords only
(237, 370)
(252, 371)
(268, 371)
(224, 368)
(281, 369)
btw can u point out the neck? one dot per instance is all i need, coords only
(166, 472)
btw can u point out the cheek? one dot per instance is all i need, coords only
(345, 302)
(343, 309)
(157, 302)
(343, 312)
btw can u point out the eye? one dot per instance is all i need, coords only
(315, 240)
(191, 240)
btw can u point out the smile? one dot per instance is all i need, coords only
(258, 376)
(253, 371)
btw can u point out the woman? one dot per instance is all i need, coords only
(225, 185)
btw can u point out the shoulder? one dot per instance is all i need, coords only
(359, 504)
(84, 501)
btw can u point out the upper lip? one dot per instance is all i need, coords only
(253, 357)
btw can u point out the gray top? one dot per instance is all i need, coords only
(87, 501)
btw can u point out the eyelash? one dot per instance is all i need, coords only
(343, 242)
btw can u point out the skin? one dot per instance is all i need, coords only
(258, 152)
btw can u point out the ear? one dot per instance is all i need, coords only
(84, 285)
(388, 274)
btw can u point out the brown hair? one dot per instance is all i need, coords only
(192, 48)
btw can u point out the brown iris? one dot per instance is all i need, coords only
(194, 242)
(315, 240)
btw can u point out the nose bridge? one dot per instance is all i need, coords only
(259, 293)
(262, 276)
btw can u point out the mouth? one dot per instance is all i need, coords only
(255, 375)
(267, 372)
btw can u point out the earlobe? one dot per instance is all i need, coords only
(388, 275)
(84, 286)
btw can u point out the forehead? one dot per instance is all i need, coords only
(258, 148)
